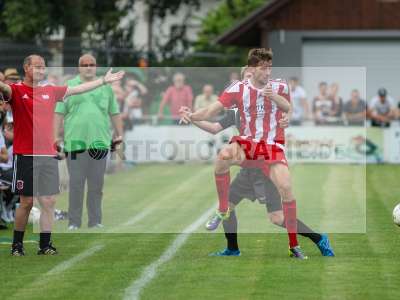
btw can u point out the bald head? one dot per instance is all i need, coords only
(87, 67)
(87, 58)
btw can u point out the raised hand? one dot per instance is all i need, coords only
(112, 77)
(267, 90)
(185, 112)
(284, 121)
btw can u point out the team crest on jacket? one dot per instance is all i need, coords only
(20, 184)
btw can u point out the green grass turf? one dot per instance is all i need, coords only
(330, 197)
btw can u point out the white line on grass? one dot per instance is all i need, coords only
(74, 260)
(133, 291)
(140, 216)
(59, 269)
(188, 183)
(132, 221)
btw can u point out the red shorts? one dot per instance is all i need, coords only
(259, 154)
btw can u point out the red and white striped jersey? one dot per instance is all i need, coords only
(258, 115)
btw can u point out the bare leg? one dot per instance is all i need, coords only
(22, 213)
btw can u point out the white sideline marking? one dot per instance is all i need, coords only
(141, 215)
(149, 209)
(74, 260)
(135, 219)
(133, 291)
(60, 268)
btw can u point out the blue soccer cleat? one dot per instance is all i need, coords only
(226, 252)
(325, 247)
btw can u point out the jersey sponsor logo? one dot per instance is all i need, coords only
(260, 108)
(25, 96)
(45, 97)
(20, 184)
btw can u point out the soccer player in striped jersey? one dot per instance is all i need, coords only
(261, 102)
(252, 184)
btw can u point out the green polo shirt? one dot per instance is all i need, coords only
(87, 118)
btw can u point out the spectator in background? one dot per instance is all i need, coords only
(299, 102)
(133, 109)
(206, 98)
(355, 110)
(322, 105)
(6, 165)
(11, 76)
(234, 76)
(177, 95)
(6, 173)
(53, 79)
(382, 109)
(2, 77)
(337, 105)
(120, 95)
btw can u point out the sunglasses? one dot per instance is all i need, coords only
(87, 65)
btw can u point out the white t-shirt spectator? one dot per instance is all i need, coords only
(382, 108)
(296, 96)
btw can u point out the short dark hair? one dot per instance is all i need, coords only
(258, 55)
(322, 83)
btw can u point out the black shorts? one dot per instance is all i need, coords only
(35, 176)
(252, 184)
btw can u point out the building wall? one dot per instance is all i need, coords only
(375, 51)
(337, 15)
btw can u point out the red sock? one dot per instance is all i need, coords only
(222, 182)
(289, 212)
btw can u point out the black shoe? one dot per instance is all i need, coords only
(49, 250)
(17, 249)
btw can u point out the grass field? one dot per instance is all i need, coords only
(148, 256)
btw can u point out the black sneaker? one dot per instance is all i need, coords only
(17, 249)
(49, 250)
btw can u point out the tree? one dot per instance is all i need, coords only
(37, 19)
(176, 43)
(229, 13)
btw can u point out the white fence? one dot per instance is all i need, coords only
(303, 144)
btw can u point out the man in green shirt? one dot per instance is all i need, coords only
(87, 140)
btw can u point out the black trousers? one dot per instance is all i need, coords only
(86, 167)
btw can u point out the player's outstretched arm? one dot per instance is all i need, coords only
(5, 89)
(91, 85)
(206, 113)
(210, 127)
